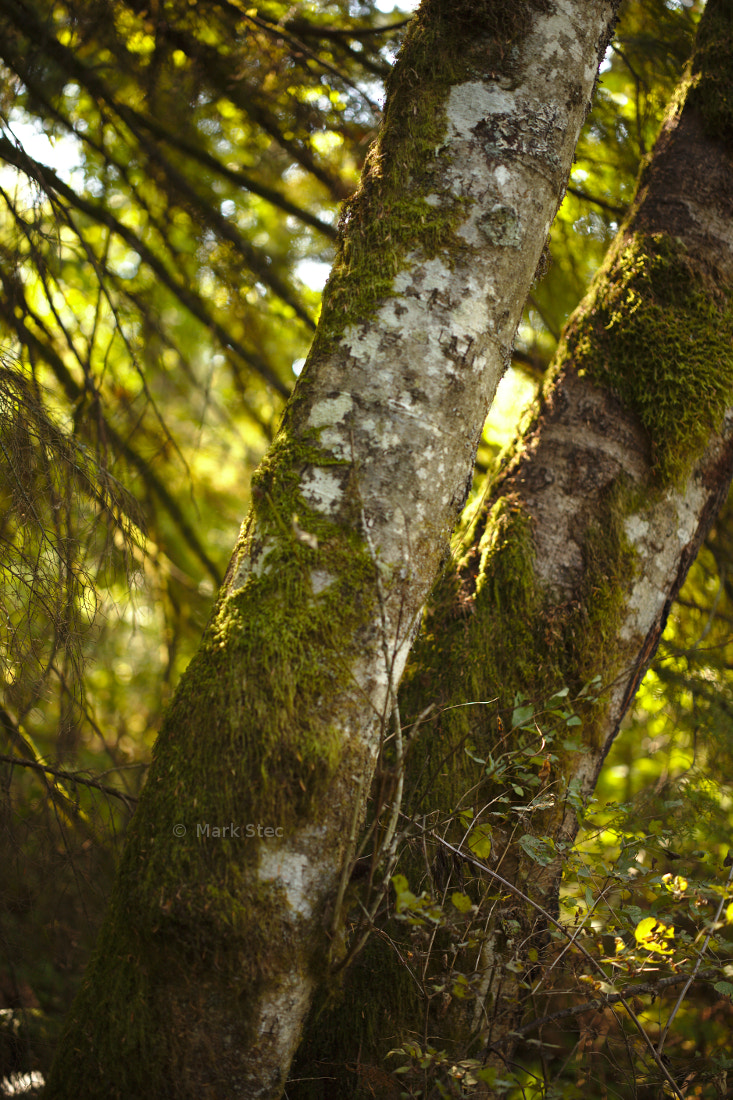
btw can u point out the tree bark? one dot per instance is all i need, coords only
(214, 941)
(565, 575)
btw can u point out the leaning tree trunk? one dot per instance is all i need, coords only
(223, 911)
(564, 576)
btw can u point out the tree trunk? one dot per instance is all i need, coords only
(215, 939)
(564, 577)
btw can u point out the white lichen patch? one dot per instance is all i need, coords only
(283, 1012)
(560, 39)
(251, 562)
(321, 487)
(471, 103)
(331, 410)
(321, 580)
(362, 341)
(470, 317)
(434, 308)
(259, 562)
(336, 440)
(280, 1015)
(372, 676)
(688, 506)
(636, 528)
(299, 877)
(428, 278)
(645, 603)
(659, 535)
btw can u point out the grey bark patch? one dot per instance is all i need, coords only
(502, 225)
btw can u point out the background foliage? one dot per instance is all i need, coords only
(170, 177)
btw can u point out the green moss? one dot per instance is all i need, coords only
(403, 203)
(657, 329)
(249, 739)
(141, 1022)
(712, 66)
(610, 565)
(366, 1011)
(491, 632)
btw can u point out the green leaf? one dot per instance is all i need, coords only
(590, 687)
(650, 934)
(462, 902)
(522, 715)
(479, 840)
(537, 849)
(404, 898)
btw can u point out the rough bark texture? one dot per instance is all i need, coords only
(568, 569)
(206, 964)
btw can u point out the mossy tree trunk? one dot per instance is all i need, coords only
(564, 575)
(223, 913)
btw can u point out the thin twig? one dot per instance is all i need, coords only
(348, 860)
(578, 946)
(703, 949)
(389, 865)
(71, 777)
(610, 999)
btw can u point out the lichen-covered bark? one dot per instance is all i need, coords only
(214, 942)
(568, 569)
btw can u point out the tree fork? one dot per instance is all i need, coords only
(568, 569)
(206, 964)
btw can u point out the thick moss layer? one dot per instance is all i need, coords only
(141, 1022)
(491, 632)
(352, 1026)
(248, 737)
(657, 330)
(249, 741)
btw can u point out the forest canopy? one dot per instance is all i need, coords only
(171, 177)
